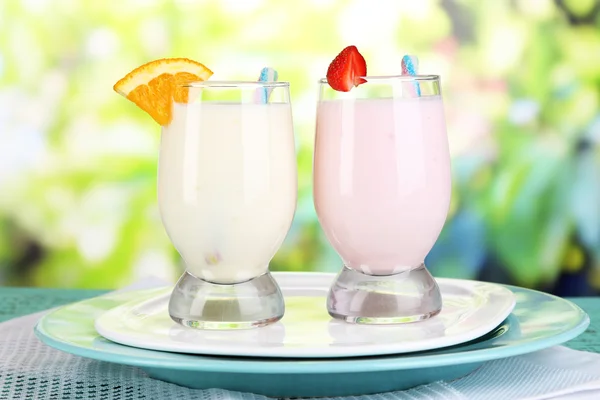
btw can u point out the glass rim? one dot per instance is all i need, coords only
(400, 78)
(235, 84)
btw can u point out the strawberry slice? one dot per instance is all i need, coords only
(346, 69)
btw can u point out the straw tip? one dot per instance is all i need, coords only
(268, 74)
(410, 64)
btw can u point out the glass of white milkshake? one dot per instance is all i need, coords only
(382, 192)
(227, 187)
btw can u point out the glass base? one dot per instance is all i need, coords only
(408, 296)
(199, 304)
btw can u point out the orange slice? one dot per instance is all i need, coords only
(155, 85)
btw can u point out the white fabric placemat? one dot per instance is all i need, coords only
(31, 370)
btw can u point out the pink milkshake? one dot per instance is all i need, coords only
(382, 180)
(382, 191)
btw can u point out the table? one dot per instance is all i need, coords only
(15, 302)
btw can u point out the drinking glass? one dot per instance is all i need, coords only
(382, 191)
(227, 188)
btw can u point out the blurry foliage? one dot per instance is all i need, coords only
(521, 87)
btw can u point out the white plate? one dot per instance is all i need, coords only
(471, 309)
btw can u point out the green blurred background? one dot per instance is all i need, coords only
(521, 83)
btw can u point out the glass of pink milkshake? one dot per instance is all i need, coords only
(382, 190)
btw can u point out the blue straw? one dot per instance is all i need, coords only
(409, 67)
(266, 75)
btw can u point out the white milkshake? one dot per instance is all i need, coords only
(227, 186)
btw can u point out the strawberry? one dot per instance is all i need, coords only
(345, 70)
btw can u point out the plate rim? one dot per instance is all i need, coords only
(193, 362)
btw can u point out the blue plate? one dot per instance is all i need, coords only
(538, 321)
